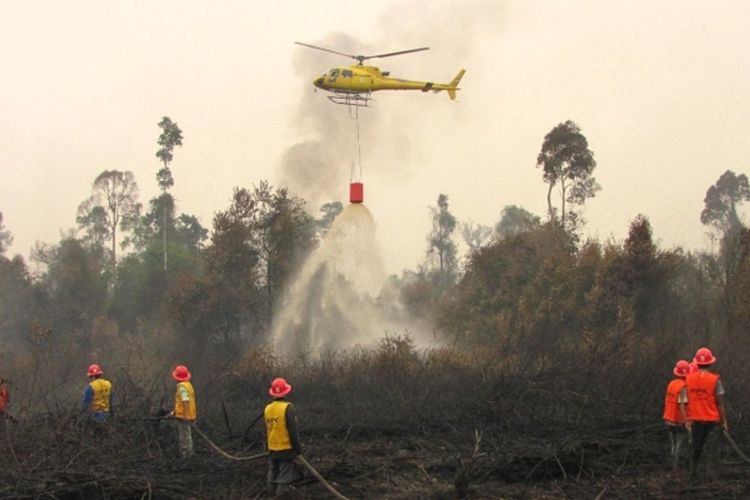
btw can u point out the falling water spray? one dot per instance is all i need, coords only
(332, 302)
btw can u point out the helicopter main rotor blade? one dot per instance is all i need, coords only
(397, 53)
(326, 50)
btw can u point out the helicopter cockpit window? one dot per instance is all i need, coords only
(347, 73)
(334, 73)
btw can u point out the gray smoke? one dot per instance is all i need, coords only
(338, 299)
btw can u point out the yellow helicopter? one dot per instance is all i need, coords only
(352, 85)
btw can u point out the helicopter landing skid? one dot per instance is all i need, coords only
(357, 100)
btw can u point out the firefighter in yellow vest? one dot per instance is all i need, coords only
(185, 410)
(97, 397)
(283, 438)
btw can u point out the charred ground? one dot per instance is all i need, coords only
(391, 423)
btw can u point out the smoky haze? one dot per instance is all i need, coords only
(656, 87)
(318, 167)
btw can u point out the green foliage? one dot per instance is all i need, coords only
(143, 288)
(183, 231)
(587, 311)
(112, 206)
(6, 238)
(170, 137)
(441, 264)
(567, 161)
(18, 300)
(255, 246)
(514, 220)
(475, 235)
(722, 202)
(165, 179)
(330, 211)
(76, 282)
(721, 211)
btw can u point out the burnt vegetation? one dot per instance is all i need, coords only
(545, 379)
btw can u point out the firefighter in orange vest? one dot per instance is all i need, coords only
(703, 400)
(283, 438)
(97, 397)
(185, 410)
(673, 416)
(4, 402)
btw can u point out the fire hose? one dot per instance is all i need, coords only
(734, 446)
(299, 459)
(222, 452)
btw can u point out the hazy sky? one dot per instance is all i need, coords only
(660, 89)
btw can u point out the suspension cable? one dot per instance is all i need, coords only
(356, 171)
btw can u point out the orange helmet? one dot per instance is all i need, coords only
(279, 388)
(704, 357)
(181, 373)
(681, 368)
(94, 370)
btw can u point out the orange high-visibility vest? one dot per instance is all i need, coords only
(701, 387)
(179, 410)
(102, 390)
(672, 413)
(276, 428)
(4, 399)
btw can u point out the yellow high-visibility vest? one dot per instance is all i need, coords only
(192, 409)
(276, 429)
(102, 390)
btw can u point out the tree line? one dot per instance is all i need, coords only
(531, 289)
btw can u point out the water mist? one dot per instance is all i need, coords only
(333, 302)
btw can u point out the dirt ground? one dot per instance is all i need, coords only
(58, 457)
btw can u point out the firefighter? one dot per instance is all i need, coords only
(673, 415)
(97, 396)
(185, 410)
(282, 437)
(4, 402)
(703, 400)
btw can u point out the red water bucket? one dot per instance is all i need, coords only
(356, 192)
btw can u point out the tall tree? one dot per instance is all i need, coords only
(568, 163)
(720, 211)
(441, 249)
(722, 200)
(170, 137)
(113, 204)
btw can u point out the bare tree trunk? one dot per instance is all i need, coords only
(164, 235)
(549, 201)
(563, 188)
(114, 251)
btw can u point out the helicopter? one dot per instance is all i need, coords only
(353, 85)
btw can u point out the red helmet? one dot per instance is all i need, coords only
(181, 373)
(681, 368)
(279, 388)
(704, 357)
(94, 370)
